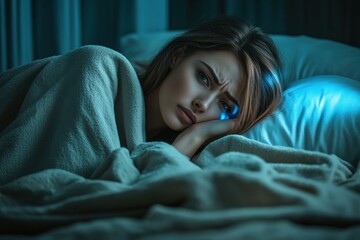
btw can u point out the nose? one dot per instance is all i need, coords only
(202, 104)
(198, 105)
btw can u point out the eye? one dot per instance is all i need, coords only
(225, 107)
(203, 78)
(225, 110)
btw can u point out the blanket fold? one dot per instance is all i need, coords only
(74, 164)
(67, 112)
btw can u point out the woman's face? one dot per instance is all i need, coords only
(203, 86)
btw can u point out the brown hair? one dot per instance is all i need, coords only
(256, 51)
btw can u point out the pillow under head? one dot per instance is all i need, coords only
(320, 113)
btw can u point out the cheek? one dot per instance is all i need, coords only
(182, 84)
(213, 112)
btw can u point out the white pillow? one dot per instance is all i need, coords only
(319, 113)
(304, 56)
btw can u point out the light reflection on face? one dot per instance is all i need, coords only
(201, 87)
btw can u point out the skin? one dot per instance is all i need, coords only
(190, 85)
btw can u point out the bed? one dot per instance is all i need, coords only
(84, 170)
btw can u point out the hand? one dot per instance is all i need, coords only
(193, 137)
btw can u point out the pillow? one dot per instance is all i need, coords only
(142, 47)
(302, 56)
(319, 113)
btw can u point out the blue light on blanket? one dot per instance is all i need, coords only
(226, 115)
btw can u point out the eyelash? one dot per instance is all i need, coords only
(203, 78)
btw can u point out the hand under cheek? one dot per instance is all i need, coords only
(228, 126)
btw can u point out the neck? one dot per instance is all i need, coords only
(154, 121)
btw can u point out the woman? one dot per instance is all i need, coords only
(73, 111)
(224, 69)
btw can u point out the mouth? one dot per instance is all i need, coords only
(190, 117)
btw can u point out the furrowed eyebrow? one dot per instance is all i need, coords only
(215, 77)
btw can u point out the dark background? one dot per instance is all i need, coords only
(32, 29)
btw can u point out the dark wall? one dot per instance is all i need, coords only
(332, 19)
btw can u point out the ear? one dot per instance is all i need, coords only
(177, 56)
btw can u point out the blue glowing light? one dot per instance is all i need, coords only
(225, 115)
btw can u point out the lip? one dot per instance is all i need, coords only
(189, 114)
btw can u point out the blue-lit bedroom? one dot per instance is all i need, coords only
(179, 119)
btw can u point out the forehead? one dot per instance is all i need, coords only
(226, 66)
